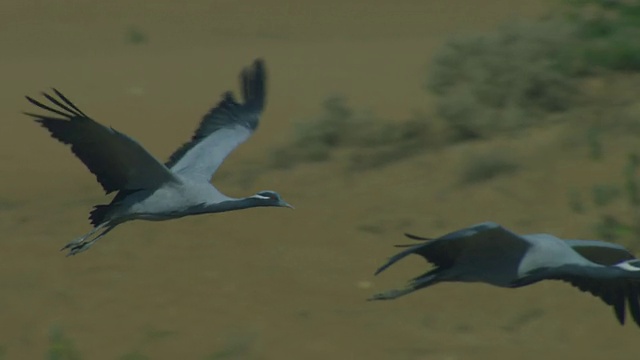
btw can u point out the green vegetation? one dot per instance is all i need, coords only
(594, 135)
(609, 31)
(603, 195)
(521, 74)
(134, 355)
(503, 81)
(237, 347)
(61, 347)
(479, 167)
(135, 36)
(368, 140)
(624, 194)
(575, 201)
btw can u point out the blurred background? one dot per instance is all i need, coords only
(383, 117)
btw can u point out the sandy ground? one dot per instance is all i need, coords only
(271, 283)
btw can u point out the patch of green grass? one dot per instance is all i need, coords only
(369, 140)
(135, 36)
(521, 74)
(61, 347)
(632, 180)
(608, 30)
(603, 195)
(609, 228)
(620, 227)
(484, 166)
(594, 140)
(314, 139)
(239, 347)
(134, 355)
(503, 81)
(576, 204)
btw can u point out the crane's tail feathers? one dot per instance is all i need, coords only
(416, 237)
(85, 241)
(392, 260)
(98, 214)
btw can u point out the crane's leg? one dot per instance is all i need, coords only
(82, 238)
(81, 244)
(391, 294)
(420, 282)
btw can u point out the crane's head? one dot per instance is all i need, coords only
(271, 198)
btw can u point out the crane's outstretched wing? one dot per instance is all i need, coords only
(616, 285)
(445, 250)
(226, 126)
(117, 161)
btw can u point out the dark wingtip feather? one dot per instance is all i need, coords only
(254, 84)
(619, 308)
(634, 303)
(49, 108)
(416, 237)
(68, 102)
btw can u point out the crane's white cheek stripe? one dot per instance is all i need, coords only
(628, 267)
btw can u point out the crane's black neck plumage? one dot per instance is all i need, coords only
(231, 205)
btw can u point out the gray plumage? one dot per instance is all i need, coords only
(491, 254)
(148, 189)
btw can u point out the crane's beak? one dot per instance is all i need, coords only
(286, 204)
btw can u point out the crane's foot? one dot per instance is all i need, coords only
(82, 243)
(75, 246)
(78, 247)
(391, 294)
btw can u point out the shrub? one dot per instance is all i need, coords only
(369, 140)
(504, 80)
(484, 166)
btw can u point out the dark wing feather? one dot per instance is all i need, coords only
(117, 161)
(226, 126)
(634, 302)
(614, 286)
(445, 250)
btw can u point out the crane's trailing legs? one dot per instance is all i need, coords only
(84, 242)
(420, 282)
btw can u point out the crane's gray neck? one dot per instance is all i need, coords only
(231, 204)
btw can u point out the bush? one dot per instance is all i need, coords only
(505, 80)
(369, 140)
(485, 166)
